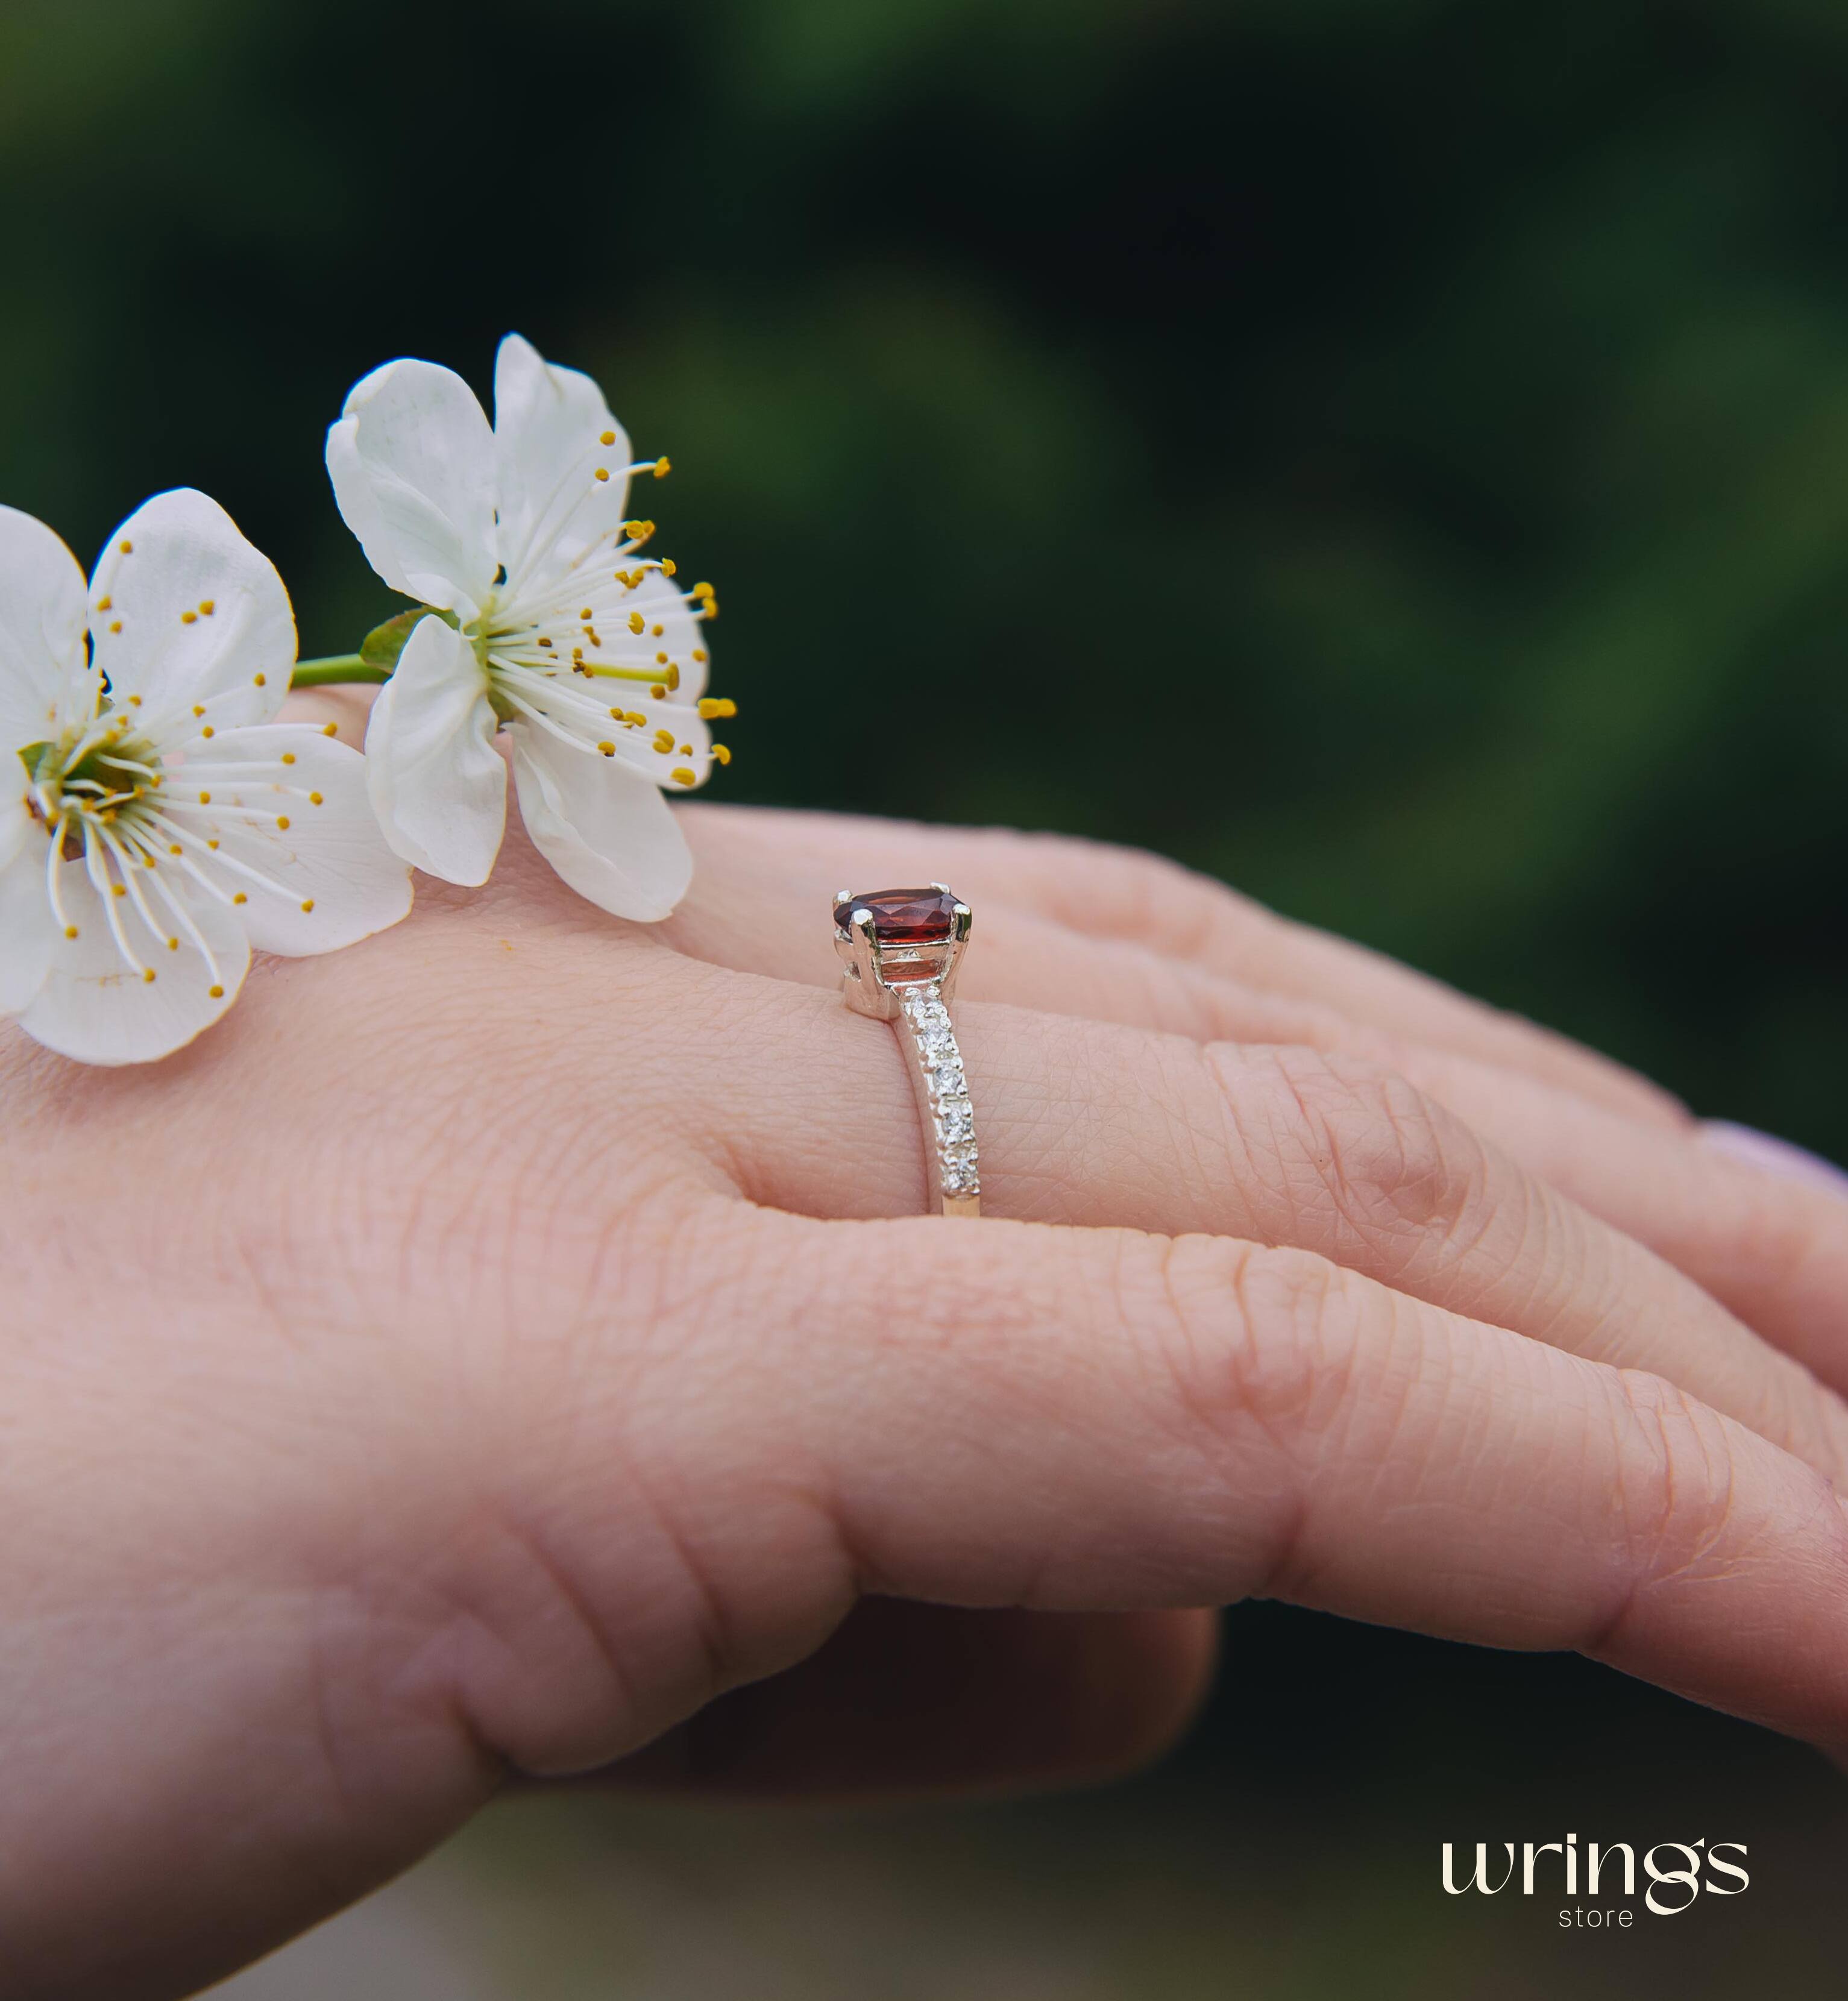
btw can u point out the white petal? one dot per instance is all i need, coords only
(332, 855)
(604, 827)
(28, 931)
(412, 459)
(549, 427)
(436, 782)
(43, 611)
(185, 613)
(96, 1007)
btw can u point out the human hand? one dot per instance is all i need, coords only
(449, 1369)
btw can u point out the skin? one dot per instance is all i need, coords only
(509, 1352)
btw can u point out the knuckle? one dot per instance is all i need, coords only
(1361, 1145)
(1252, 1337)
(1677, 1490)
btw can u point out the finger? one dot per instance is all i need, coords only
(1015, 1415)
(924, 1699)
(1087, 1123)
(1122, 924)
(1773, 1248)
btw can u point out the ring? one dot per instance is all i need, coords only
(900, 949)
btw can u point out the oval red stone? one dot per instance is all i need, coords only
(903, 916)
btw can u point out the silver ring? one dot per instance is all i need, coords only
(900, 949)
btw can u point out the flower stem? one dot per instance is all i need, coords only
(335, 668)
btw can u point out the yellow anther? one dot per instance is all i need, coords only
(658, 692)
(546, 644)
(702, 590)
(208, 731)
(663, 741)
(173, 944)
(699, 655)
(205, 798)
(173, 848)
(587, 614)
(308, 906)
(206, 606)
(240, 898)
(261, 681)
(282, 820)
(662, 468)
(115, 625)
(213, 845)
(186, 618)
(720, 754)
(332, 729)
(637, 720)
(119, 889)
(681, 776)
(660, 659)
(134, 702)
(608, 749)
(603, 472)
(315, 799)
(217, 993)
(105, 603)
(672, 677)
(128, 548)
(148, 975)
(636, 622)
(667, 567)
(199, 709)
(147, 860)
(608, 437)
(288, 757)
(713, 706)
(70, 930)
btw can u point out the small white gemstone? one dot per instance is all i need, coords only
(960, 1155)
(957, 1119)
(947, 1079)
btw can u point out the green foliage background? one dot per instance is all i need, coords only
(1391, 452)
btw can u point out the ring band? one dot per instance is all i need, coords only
(900, 949)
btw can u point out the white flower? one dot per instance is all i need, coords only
(553, 626)
(156, 823)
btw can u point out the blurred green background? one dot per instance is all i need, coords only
(1393, 453)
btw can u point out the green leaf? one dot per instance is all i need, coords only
(381, 646)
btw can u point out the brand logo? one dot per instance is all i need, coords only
(1674, 1873)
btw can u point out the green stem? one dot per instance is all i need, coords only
(337, 667)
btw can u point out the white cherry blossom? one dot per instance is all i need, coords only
(550, 624)
(156, 823)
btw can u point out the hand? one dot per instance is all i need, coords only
(447, 1370)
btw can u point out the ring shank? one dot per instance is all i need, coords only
(953, 1185)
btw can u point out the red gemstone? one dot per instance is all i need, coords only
(903, 916)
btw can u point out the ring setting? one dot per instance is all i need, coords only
(899, 951)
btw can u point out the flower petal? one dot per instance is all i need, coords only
(412, 459)
(550, 425)
(97, 1008)
(28, 931)
(186, 613)
(42, 613)
(604, 826)
(436, 782)
(338, 881)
